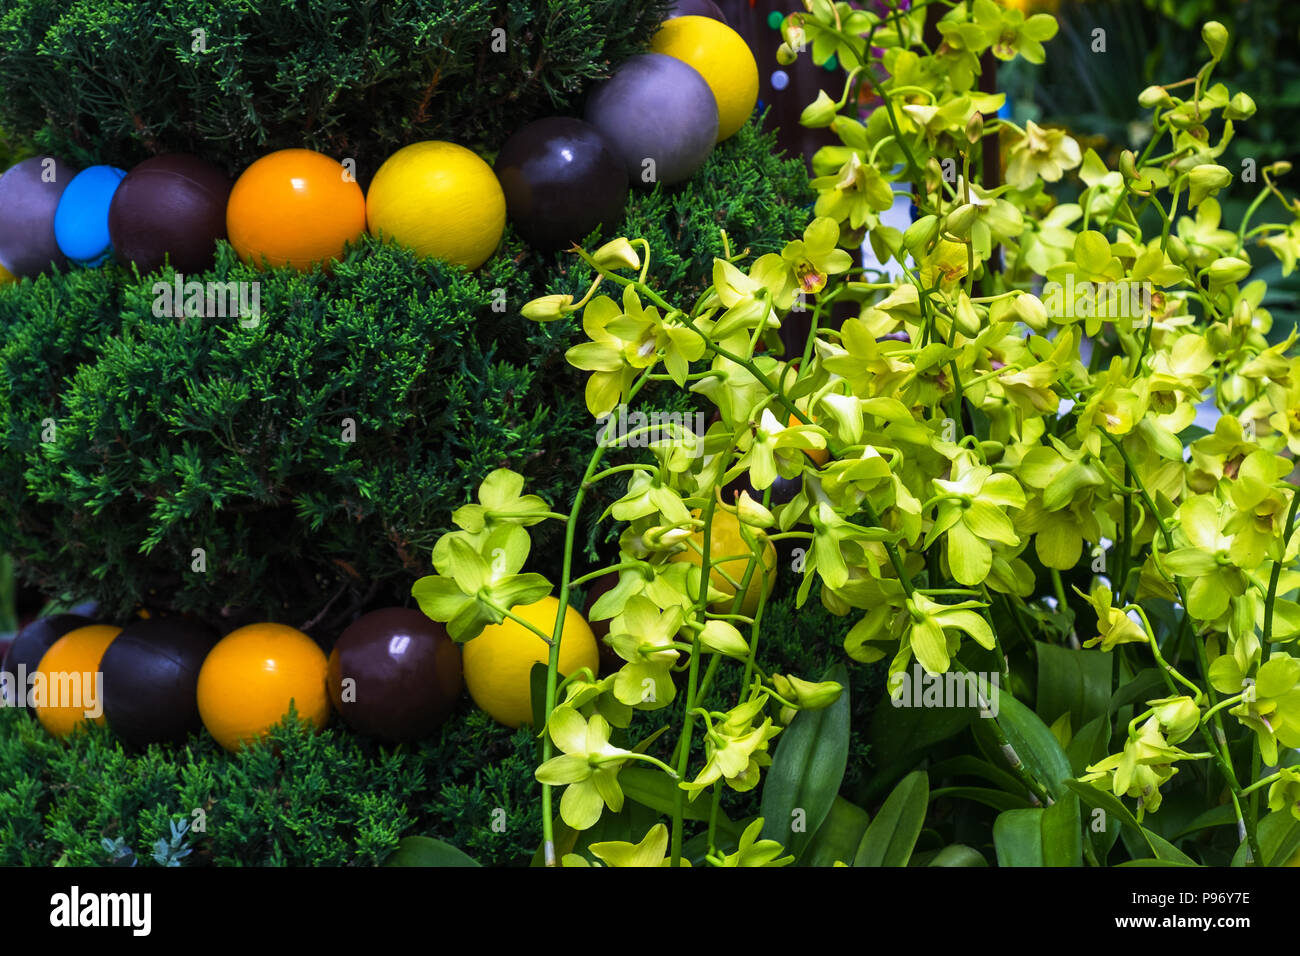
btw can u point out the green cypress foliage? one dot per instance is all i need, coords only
(231, 80)
(175, 434)
(333, 798)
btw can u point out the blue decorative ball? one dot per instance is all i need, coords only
(81, 221)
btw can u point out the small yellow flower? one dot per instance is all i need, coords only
(1045, 153)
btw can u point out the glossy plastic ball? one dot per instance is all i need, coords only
(660, 116)
(819, 456)
(561, 180)
(783, 490)
(499, 661)
(439, 199)
(729, 558)
(29, 197)
(295, 207)
(722, 57)
(69, 671)
(151, 676)
(403, 673)
(696, 8)
(169, 208)
(249, 679)
(25, 653)
(81, 220)
(6, 276)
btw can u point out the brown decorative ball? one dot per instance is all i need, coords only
(170, 207)
(394, 675)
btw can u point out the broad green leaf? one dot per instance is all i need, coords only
(899, 735)
(1073, 681)
(653, 789)
(1089, 744)
(891, 836)
(1149, 861)
(1164, 850)
(1279, 844)
(1018, 837)
(1147, 684)
(1063, 833)
(426, 851)
(837, 839)
(1220, 816)
(967, 765)
(997, 799)
(1279, 838)
(1111, 824)
(806, 771)
(958, 854)
(1107, 802)
(1034, 743)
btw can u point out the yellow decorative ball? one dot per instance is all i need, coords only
(722, 57)
(500, 659)
(252, 675)
(6, 275)
(439, 199)
(70, 681)
(729, 557)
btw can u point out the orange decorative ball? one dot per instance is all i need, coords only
(67, 689)
(820, 456)
(294, 207)
(249, 679)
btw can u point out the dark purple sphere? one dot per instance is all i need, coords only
(561, 180)
(656, 108)
(169, 206)
(29, 195)
(31, 644)
(783, 490)
(151, 679)
(405, 672)
(696, 8)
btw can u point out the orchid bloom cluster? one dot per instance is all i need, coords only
(991, 413)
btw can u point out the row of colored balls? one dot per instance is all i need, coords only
(393, 674)
(656, 119)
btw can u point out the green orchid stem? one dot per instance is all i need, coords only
(1266, 638)
(614, 470)
(645, 256)
(1250, 211)
(1217, 742)
(713, 817)
(1228, 702)
(683, 752)
(599, 572)
(1132, 724)
(706, 682)
(1059, 587)
(581, 674)
(553, 661)
(1254, 788)
(1170, 671)
(1124, 545)
(987, 610)
(1276, 574)
(1012, 758)
(632, 755)
(521, 622)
